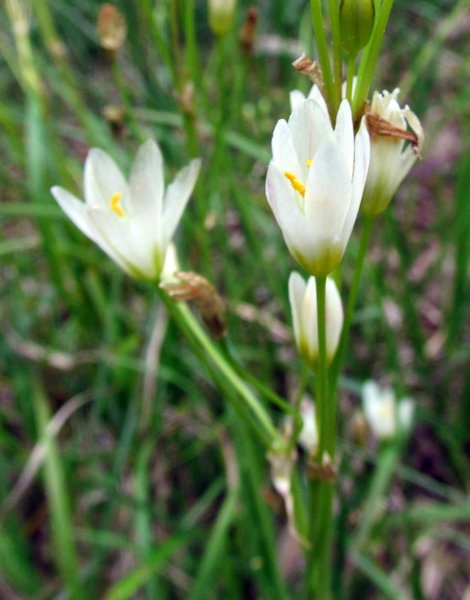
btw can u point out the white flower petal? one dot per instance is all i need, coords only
(334, 317)
(328, 193)
(176, 198)
(296, 97)
(113, 238)
(284, 153)
(310, 318)
(75, 210)
(295, 228)
(146, 180)
(103, 180)
(310, 127)
(361, 166)
(296, 297)
(344, 134)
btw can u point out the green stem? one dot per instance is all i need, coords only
(370, 56)
(321, 492)
(351, 305)
(322, 398)
(350, 76)
(323, 57)
(183, 316)
(337, 50)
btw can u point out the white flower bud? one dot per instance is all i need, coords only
(303, 301)
(396, 140)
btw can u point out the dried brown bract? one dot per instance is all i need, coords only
(196, 288)
(310, 69)
(111, 28)
(325, 471)
(378, 126)
(248, 31)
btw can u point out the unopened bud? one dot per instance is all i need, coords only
(356, 21)
(221, 15)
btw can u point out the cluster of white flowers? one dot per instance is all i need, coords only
(319, 178)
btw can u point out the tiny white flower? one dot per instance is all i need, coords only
(392, 156)
(303, 302)
(132, 222)
(315, 182)
(384, 415)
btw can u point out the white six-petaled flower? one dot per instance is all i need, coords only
(384, 414)
(315, 182)
(303, 302)
(132, 222)
(391, 156)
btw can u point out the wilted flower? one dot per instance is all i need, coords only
(303, 301)
(133, 223)
(315, 182)
(396, 141)
(385, 416)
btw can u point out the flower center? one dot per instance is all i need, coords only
(295, 182)
(115, 204)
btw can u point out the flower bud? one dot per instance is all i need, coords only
(356, 21)
(303, 301)
(221, 15)
(396, 141)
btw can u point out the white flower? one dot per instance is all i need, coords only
(315, 182)
(392, 156)
(132, 222)
(303, 302)
(385, 416)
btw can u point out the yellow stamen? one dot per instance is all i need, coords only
(295, 183)
(116, 206)
(309, 162)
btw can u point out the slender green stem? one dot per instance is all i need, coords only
(325, 539)
(322, 397)
(351, 305)
(370, 55)
(320, 494)
(350, 76)
(323, 57)
(191, 325)
(333, 6)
